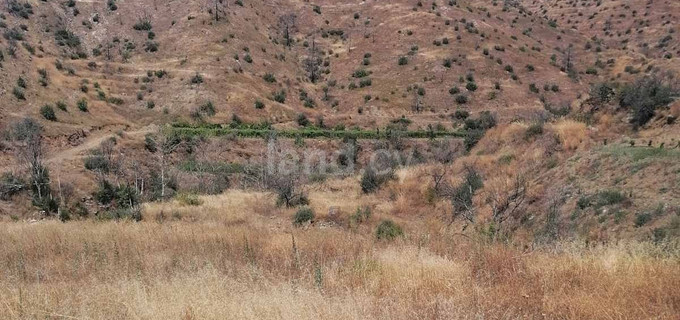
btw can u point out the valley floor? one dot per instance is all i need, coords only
(236, 256)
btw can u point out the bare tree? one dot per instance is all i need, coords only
(440, 186)
(217, 6)
(287, 24)
(29, 153)
(506, 200)
(417, 102)
(166, 145)
(312, 62)
(568, 61)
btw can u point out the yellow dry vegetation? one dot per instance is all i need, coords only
(237, 256)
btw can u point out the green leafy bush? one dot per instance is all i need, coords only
(388, 230)
(48, 113)
(303, 215)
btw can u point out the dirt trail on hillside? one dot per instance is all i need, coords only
(79, 151)
(92, 143)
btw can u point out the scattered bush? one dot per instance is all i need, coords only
(388, 230)
(371, 181)
(303, 215)
(642, 219)
(48, 113)
(188, 199)
(82, 105)
(643, 98)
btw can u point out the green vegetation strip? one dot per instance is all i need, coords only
(642, 153)
(312, 133)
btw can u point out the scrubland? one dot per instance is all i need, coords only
(237, 256)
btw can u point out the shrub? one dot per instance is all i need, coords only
(143, 25)
(151, 46)
(207, 109)
(644, 97)
(269, 78)
(461, 99)
(454, 91)
(10, 185)
(96, 161)
(62, 106)
(471, 86)
(533, 88)
(642, 219)
(371, 180)
(302, 120)
(82, 105)
(188, 199)
(259, 104)
(279, 96)
(303, 215)
(18, 92)
(197, 78)
(462, 195)
(403, 60)
(535, 129)
(602, 92)
(461, 114)
(48, 113)
(388, 230)
(360, 73)
(361, 215)
(472, 137)
(66, 38)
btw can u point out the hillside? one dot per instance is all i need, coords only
(283, 159)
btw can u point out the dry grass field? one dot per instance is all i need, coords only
(233, 257)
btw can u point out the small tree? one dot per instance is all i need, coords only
(463, 194)
(507, 199)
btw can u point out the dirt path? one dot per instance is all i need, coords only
(78, 151)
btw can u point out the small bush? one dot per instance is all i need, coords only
(143, 25)
(48, 113)
(461, 99)
(18, 93)
(403, 60)
(371, 181)
(187, 199)
(197, 79)
(82, 105)
(388, 230)
(279, 96)
(269, 78)
(535, 129)
(303, 215)
(642, 219)
(259, 104)
(471, 86)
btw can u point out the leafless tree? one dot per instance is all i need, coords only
(166, 145)
(312, 62)
(287, 24)
(217, 6)
(506, 200)
(27, 135)
(440, 186)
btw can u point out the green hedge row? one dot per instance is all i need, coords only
(311, 133)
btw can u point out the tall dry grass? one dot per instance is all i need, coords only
(231, 262)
